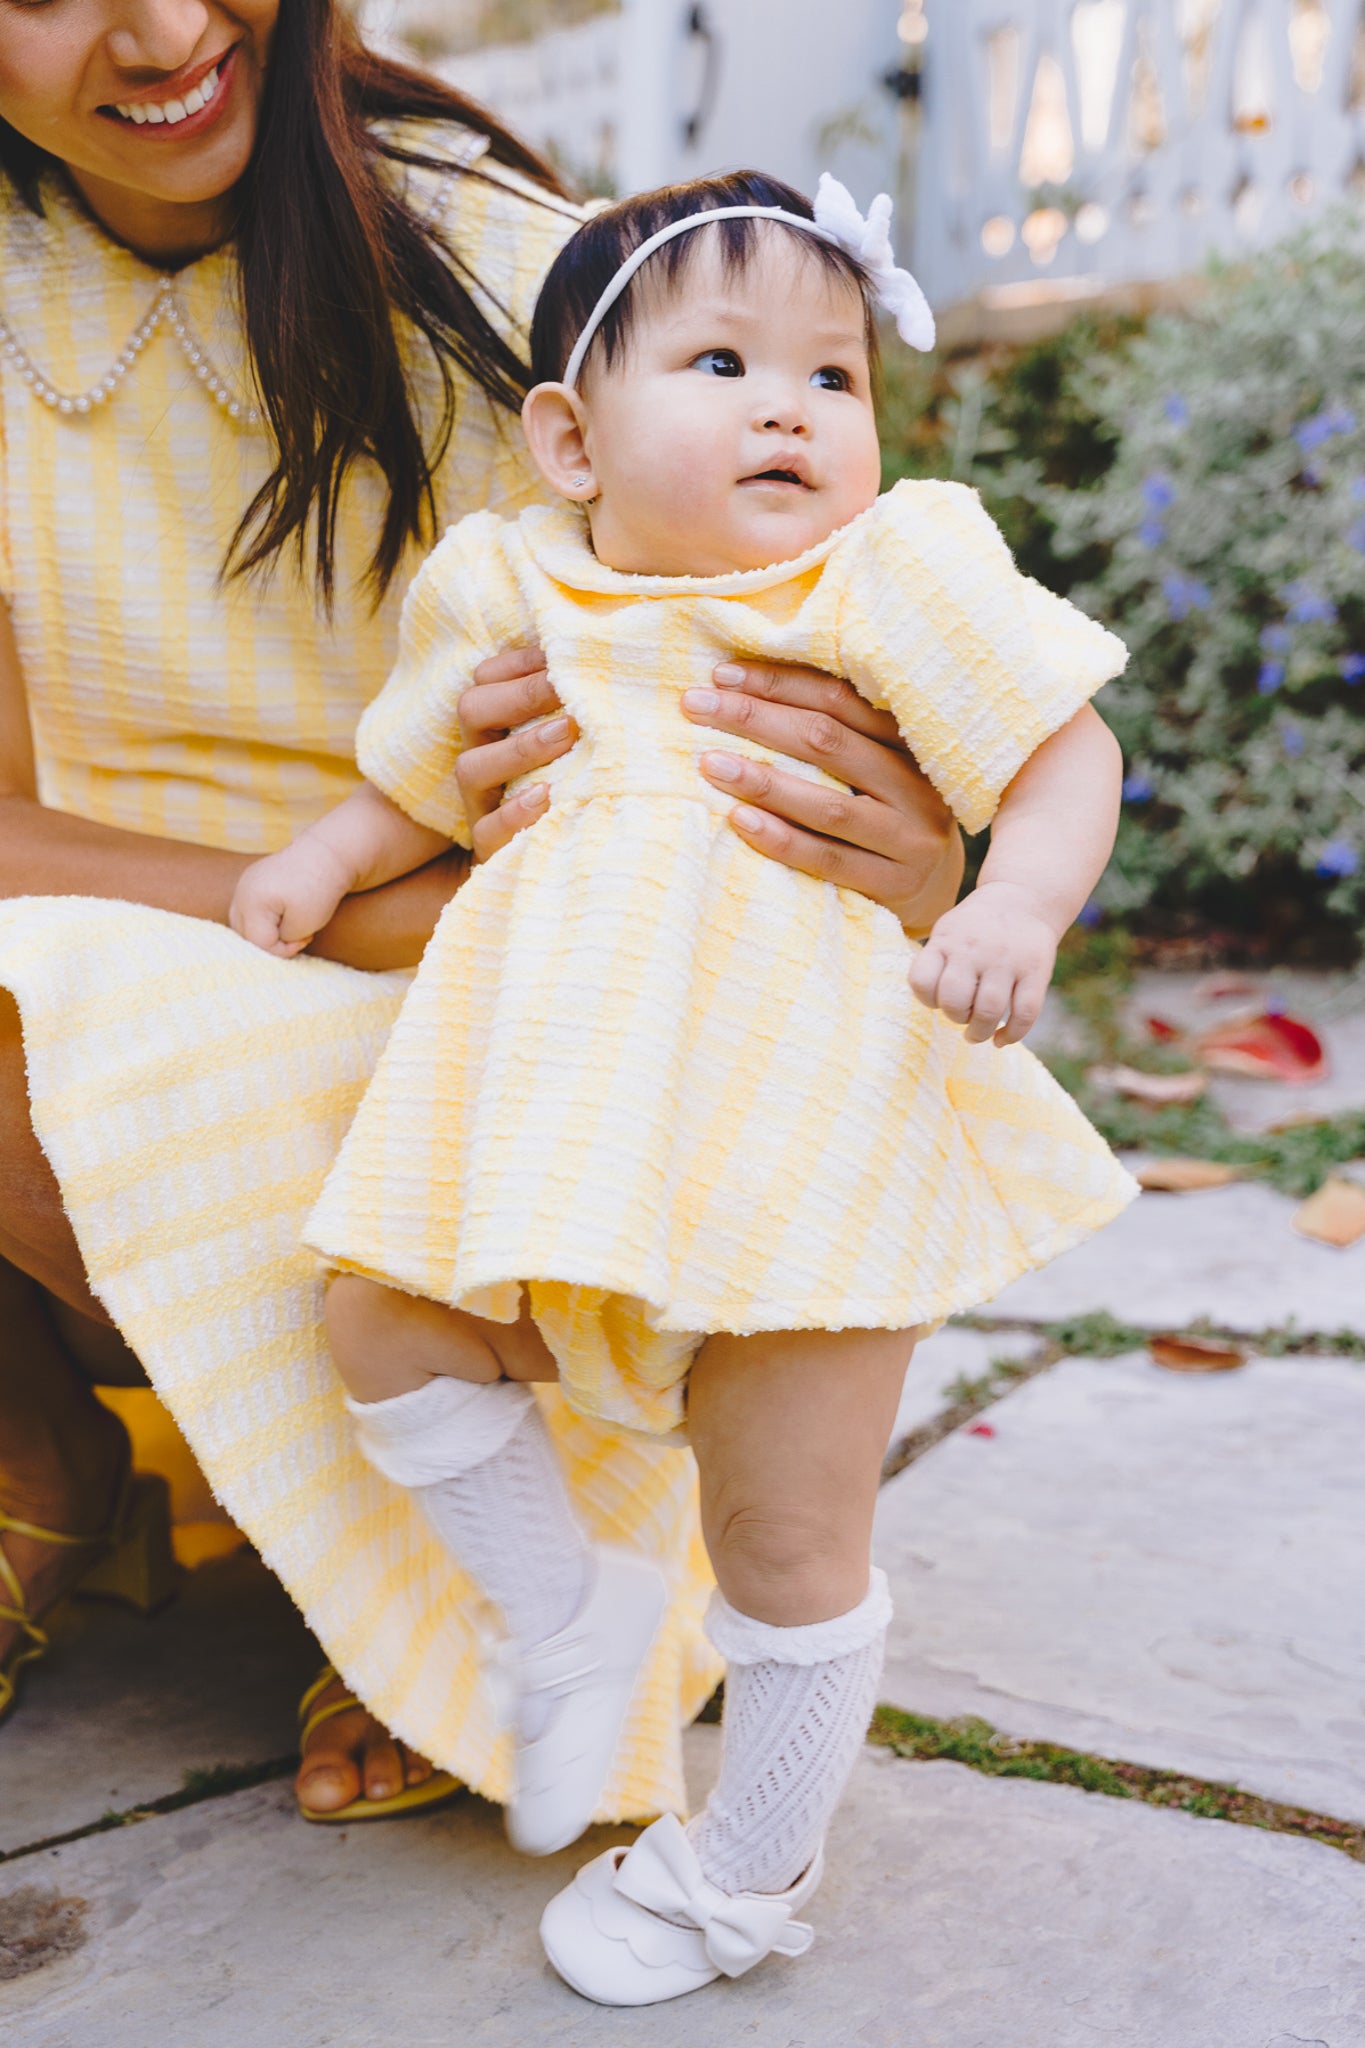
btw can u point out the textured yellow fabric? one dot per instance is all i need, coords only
(672, 1086)
(190, 1092)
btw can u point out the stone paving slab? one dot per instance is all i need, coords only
(1154, 1567)
(959, 1912)
(949, 1355)
(125, 1705)
(1227, 1253)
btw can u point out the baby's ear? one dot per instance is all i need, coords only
(555, 422)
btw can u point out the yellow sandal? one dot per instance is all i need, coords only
(412, 1799)
(132, 1561)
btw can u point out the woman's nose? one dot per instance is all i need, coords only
(157, 35)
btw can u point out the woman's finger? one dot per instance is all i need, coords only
(487, 769)
(862, 821)
(809, 689)
(488, 709)
(829, 860)
(509, 663)
(867, 764)
(499, 826)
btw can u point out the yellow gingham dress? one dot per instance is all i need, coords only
(670, 1085)
(189, 1091)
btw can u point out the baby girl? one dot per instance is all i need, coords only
(706, 1139)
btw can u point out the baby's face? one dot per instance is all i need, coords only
(737, 429)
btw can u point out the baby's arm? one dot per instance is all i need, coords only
(281, 901)
(991, 958)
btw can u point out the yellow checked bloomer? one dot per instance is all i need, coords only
(671, 1086)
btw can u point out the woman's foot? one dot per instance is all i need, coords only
(350, 1756)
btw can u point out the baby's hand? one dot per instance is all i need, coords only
(988, 960)
(283, 901)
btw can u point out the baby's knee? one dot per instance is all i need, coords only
(386, 1342)
(789, 1567)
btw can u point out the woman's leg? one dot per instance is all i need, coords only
(790, 1431)
(62, 1452)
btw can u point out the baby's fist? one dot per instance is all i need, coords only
(987, 964)
(282, 901)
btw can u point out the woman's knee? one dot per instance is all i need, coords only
(35, 1231)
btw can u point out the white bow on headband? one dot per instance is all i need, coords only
(837, 220)
(869, 240)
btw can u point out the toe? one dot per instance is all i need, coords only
(327, 1781)
(383, 1765)
(416, 1769)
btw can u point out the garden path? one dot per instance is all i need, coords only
(1144, 1582)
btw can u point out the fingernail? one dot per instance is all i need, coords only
(700, 700)
(751, 820)
(729, 676)
(724, 767)
(536, 796)
(556, 729)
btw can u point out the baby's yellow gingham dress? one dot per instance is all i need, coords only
(671, 1086)
(189, 1091)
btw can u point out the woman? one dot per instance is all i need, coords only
(265, 299)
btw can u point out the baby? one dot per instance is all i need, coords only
(659, 1117)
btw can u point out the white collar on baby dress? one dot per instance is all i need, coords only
(557, 540)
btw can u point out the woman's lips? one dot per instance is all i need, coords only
(197, 103)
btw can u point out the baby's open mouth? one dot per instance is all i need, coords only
(777, 476)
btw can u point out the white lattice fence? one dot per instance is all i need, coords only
(1125, 139)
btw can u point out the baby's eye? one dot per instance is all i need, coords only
(829, 378)
(719, 362)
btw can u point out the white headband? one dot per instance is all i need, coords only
(837, 220)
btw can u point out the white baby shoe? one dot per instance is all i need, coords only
(584, 1678)
(643, 1924)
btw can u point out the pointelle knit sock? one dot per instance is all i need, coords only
(479, 1459)
(797, 1705)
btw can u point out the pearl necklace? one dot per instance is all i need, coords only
(164, 309)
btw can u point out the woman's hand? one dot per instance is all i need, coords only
(892, 838)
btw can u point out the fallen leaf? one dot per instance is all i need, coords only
(1155, 1088)
(1196, 1354)
(981, 1429)
(1217, 988)
(1163, 1032)
(1334, 1215)
(1184, 1176)
(1270, 1046)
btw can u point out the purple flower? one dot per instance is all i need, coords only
(1341, 419)
(1324, 426)
(1291, 737)
(1355, 536)
(1089, 915)
(1177, 412)
(1137, 789)
(1308, 607)
(1184, 594)
(1358, 488)
(1158, 492)
(1151, 533)
(1276, 639)
(1270, 678)
(1353, 667)
(1338, 857)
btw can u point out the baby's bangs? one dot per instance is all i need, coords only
(591, 258)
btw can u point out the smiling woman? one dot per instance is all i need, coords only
(251, 359)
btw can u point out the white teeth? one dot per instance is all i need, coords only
(173, 111)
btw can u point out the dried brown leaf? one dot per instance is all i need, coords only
(1160, 1089)
(1196, 1354)
(1334, 1215)
(1185, 1176)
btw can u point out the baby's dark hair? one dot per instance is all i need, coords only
(590, 259)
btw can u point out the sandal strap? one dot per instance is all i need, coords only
(309, 1721)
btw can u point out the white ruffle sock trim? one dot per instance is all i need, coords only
(797, 1706)
(478, 1457)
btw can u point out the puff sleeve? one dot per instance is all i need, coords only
(462, 605)
(977, 663)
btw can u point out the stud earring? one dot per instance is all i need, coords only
(581, 477)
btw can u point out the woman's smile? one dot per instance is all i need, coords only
(183, 107)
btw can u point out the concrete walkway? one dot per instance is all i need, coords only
(1146, 1567)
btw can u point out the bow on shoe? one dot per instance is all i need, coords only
(869, 240)
(662, 1874)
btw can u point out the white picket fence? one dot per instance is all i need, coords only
(1121, 139)
(1056, 144)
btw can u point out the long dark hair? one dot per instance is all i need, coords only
(333, 265)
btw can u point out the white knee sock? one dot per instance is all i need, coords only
(797, 1705)
(479, 1459)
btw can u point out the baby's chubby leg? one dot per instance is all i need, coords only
(441, 1406)
(790, 1431)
